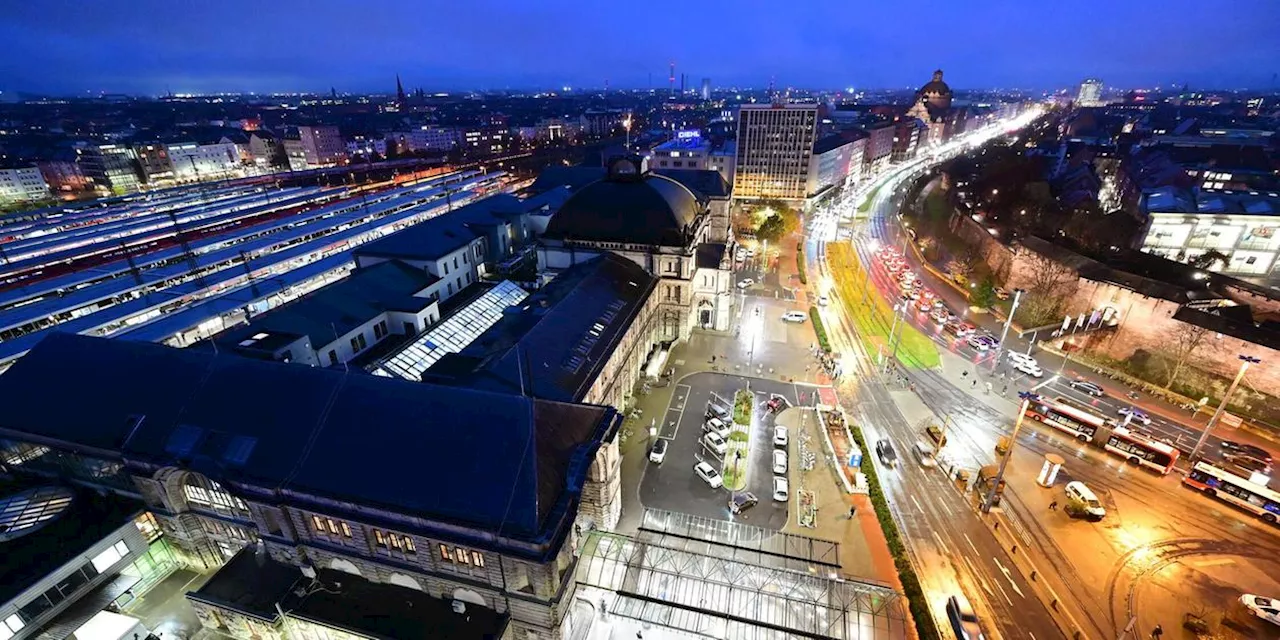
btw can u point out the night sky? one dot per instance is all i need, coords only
(150, 46)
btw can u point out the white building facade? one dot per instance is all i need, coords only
(24, 184)
(775, 142)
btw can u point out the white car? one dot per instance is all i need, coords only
(1135, 415)
(780, 492)
(1265, 608)
(779, 436)
(823, 300)
(744, 284)
(659, 451)
(795, 316)
(1029, 367)
(779, 461)
(708, 475)
(978, 343)
(714, 442)
(1017, 356)
(717, 426)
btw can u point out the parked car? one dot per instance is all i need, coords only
(964, 622)
(884, 449)
(1241, 448)
(1263, 608)
(779, 461)
(1081, 498)
(742, 501)
(780, 489)
(1017, 356)
(717, 426)
(1135, 415)
(779, 436)
(1089, 387)
(709, 475)
(823, 300)
(716, 411)
(714, 442)
(795, 316)
(743, 284)
(659, 451)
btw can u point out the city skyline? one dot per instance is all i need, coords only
(569, 44)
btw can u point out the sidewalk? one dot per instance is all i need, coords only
(864, 553)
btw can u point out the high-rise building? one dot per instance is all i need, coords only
(706, 88)
(1090, 93)
(774, 144)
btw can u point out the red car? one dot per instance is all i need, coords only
(776, 404)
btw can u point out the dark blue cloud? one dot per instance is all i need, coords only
(146, 46)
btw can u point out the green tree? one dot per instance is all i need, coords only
(984, 295)
(777, 226)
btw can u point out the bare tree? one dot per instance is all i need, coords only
(1181, 341)
(1048, 285)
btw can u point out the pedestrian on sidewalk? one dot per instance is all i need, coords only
(988, 388)
(713, 358)
(1005, 389)
(1157, 632)
(853, 510)
(1053, 506)
(975, 383)
(964, 374)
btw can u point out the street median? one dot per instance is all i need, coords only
(874, 319)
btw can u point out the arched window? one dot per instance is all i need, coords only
(203, 493)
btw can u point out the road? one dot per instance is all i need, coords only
(952, 548)
(1139, 548)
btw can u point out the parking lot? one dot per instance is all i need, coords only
(673, 485)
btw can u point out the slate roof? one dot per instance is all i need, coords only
(445, 233)
(651, 209)
(704, 181)
(555, 343)
(498, 462)
(331, 311)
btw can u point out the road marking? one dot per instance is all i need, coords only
(913, 499)
(1004, 593)
(941, 545)
(1008, 576)
(977, 577)
(966, 539)
(682, 395)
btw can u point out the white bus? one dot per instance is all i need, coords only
(1137, 448)
(1231, 488)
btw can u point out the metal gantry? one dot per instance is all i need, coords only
(717, 592)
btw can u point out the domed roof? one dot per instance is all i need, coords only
(628, 206)
(936, 86)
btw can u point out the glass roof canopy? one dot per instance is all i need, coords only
(658, 579)
(741, 542)
(452, 335)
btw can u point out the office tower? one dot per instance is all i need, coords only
(1090, 93)
(774, 145)
(706, 88)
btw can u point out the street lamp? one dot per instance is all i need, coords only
(1027, 397)
(1017, 298)
(1245, 361)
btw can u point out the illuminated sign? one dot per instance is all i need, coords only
(688, 135)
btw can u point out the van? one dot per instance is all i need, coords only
(924, 453)
(1082, 498)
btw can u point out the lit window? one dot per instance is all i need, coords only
(346, 531)
(333, 527)
(477, 558)
(444, 553)
(395, 541)
(378, 538)
(318, 523)
(14, 623)
(408, 545)
(103, 561)
(462, 557)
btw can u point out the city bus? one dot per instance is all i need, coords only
(1230, 488)
(1137, 448)
(1079, 423)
